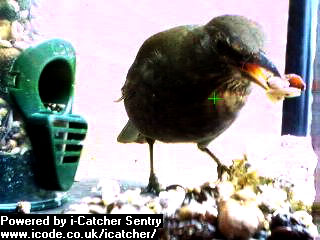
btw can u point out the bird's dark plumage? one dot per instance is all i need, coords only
(175, 72)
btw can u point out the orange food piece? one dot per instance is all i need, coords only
(295, 81)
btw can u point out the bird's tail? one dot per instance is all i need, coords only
(130, 134)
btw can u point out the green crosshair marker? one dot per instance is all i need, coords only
(214, 98)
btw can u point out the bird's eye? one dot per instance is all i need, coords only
(223, 47)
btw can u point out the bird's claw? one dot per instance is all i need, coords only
(221, 169)
(153, 185)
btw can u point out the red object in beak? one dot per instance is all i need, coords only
(295, 81)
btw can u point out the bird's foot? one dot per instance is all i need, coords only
(153, 185)
(221, 169)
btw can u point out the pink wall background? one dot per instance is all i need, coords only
(107, 36)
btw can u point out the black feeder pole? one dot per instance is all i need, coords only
(296, 119)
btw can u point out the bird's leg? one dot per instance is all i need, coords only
(221, 168)
(153, 185)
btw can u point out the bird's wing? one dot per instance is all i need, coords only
(163, 55)
(130, 134)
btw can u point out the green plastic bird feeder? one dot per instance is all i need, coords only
(39, 86)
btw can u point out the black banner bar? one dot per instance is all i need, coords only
(92, 226)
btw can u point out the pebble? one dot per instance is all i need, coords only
(17, 31)
(290, 233)
(239, 219)
(8, 53)
(24, 14)
(16, 150)
(54, 107)
(226, 190)
(184, 213)
(5, 29)
(154, 205)
(171, 200)
(80, 208)
(305, 218)
(5, 44)
(109, 190)
(23, 207)
(272, 198)
(3, 112)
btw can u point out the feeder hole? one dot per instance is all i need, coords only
(55, 84)
(70, 159)
(73, 148)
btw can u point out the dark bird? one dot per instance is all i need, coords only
(175, 72)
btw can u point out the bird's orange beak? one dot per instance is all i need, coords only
(259, 74)
(260, 68)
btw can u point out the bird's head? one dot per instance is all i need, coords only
(239, 43)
